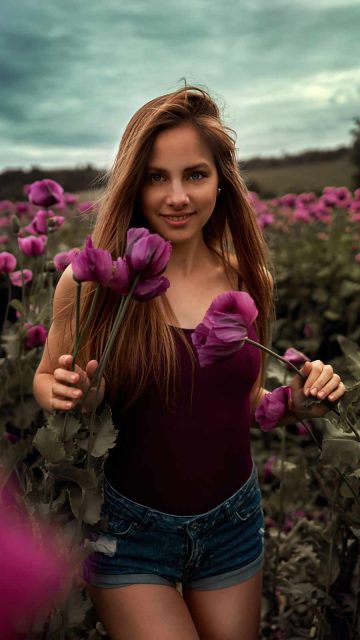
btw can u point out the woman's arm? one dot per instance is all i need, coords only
(55, 385)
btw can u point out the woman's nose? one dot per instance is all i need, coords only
(177, 196)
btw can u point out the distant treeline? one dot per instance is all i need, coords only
(72, 180)
(306, 157)
(88, 178)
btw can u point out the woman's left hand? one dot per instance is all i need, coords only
(321, 383)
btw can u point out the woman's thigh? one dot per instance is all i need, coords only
(143, 612)
(232, 613)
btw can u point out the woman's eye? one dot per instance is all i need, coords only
(199, 175)
(155, 177)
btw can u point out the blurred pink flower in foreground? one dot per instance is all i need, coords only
(33, 570)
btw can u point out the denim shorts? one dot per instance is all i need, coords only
(212, 550)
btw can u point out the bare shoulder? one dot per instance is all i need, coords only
(234, 264)
(64, 296)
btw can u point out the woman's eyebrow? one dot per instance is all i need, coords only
(200, 165)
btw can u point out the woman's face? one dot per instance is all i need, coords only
(180, 189)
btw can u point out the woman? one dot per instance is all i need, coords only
(181, 491)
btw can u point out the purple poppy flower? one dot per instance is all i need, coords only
(35, 336)
(120, 280)
(224, 327)
(92, 264)
(296, 357)
(64, 258)
(4, 222)
(145, 289)
(7, 262)
(55, 222)
(268, 467)
(265, 219)
(272, 408)
(6, 205)
(22, 208)
(146, 253)
(69, 199)
(16, 278)
(33, 245)
(151, 288)
(39, 222)
(45, 193)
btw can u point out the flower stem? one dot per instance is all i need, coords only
(114, 331)
(276, 355)
(86, 325)
(77, 321)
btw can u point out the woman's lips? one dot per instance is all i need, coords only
(177, 220)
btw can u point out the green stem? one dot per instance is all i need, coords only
(114, 331)
(77, 321)
(77, 316)
(86, 324)
(280, 522)
(8, 300)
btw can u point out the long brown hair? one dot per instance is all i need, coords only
(146, 344)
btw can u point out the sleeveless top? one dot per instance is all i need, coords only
(188, 461)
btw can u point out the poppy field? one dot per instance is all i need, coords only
(51, 463)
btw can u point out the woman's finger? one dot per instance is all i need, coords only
(324, 378)
(62, 391)
(330, 386)
(315, 367)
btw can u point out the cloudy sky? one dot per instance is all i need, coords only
(72, 72)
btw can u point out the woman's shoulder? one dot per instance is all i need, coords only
(235, 267)
(64, 295)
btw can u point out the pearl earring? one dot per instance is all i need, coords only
(219, 190)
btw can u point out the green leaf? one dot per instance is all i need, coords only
(86, 506)
(48, 444)
(86, 479)
(105, 434)
(331, 315)
(341, 452)
(56, 421)
(349, 288)
(17, 305)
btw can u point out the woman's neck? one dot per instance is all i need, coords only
(187, 259)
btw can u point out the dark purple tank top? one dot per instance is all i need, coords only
(188, 461)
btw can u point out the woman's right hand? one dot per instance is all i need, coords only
(70, 386)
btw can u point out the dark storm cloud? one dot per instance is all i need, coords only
(72, 74)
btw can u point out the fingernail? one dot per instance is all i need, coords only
(314, 391)
(306, 392)
(321, 394)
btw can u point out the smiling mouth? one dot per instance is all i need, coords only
(178, 217)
